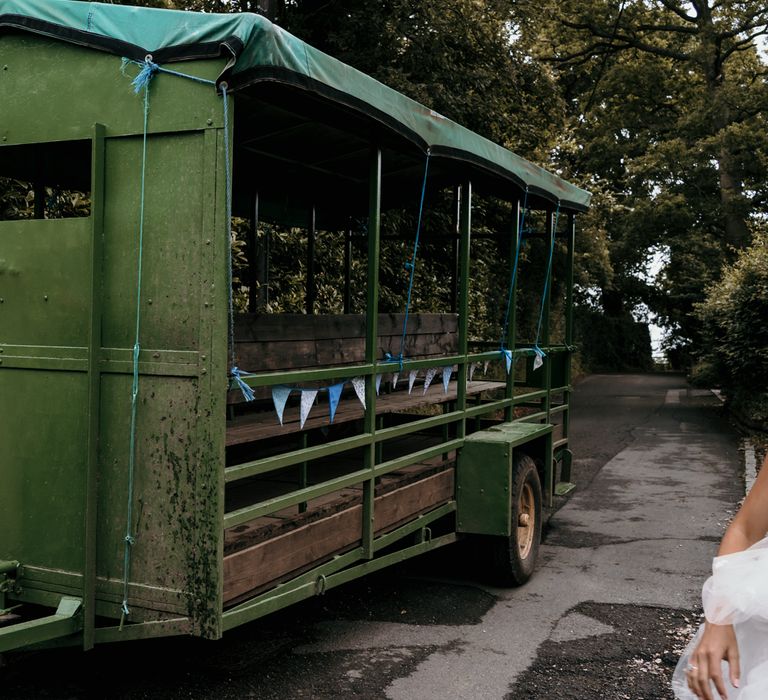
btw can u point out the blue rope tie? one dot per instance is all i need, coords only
(129, 538)
(411, 267)
(513, 279)
(536, 348)
(237, 381)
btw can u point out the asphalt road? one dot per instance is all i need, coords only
(658, 474)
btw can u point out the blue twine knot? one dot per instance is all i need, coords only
(148, 70)
(124, 608)
(130, 539)
(237, 379)
(409, 265)
(389, 357)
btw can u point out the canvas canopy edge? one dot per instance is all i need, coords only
(258, 51)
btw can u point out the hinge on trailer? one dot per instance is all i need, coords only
(8, 584)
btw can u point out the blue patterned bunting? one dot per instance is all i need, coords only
(280, 394)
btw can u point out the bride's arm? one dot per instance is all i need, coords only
(751, 522)
(718, 642)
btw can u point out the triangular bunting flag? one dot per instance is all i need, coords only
(359, 384)
(508, 359)
(378, 383)
(411, 379)
(485, 366)
(307, 399)
(446, 377)
(472, 368)
(280, 394)
(395, 375)
(334, 394)
(431, 372)
(538, 361)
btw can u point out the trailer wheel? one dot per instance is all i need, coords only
(514, 557)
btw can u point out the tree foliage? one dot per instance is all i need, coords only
(734, 317)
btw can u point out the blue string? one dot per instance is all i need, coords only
(411, 265)
(513, 278)
(129, 539)
(536, 347)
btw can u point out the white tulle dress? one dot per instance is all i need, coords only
(737, 594)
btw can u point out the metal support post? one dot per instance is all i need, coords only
(311, 285)
(465, 230)
(509, 411)
(371, 347)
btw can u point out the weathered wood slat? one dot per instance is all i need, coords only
(267, 562)
(258, 426)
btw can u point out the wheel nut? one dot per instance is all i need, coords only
(523, 520)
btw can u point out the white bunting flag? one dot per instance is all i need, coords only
(446, 377)
(378, 383)
(485, 366)
(307, 400)
(538, 361)
(411, 379)
(508, 359)
(359, 384)
(395, 375)
(280, 396)
(431, 372)
(472, 368)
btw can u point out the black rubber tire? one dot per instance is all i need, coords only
(513, 558)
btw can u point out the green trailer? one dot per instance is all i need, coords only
(177, 456)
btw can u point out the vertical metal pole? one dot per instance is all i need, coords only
(261, 262)
(465, 230)
(348, 271)
(311, 291)
(455, 251)
(94, 386)
(255, 261)
(565, 469)
(371, 337)
(546, 301)
(303, 471)
(509, 411)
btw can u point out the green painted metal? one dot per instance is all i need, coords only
(484, 476)
(67, 290)
(90, 523)
(65, 621)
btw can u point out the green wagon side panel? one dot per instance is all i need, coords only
(173, 238)
(39, 73)
(44, 303)
(261, 51)
(42, 463)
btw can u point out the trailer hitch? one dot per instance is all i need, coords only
(65, 621)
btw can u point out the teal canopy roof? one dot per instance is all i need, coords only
(256, 51)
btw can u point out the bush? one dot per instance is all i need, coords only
(735, 321)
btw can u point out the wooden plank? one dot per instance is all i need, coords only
(269, 561)
(258, 426)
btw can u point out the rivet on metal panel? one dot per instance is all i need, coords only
(208, 242)
(45, 297)
(203, 371)
(210, 121)
(202, 357)
(155, 355)
(206, 304)
(5, 67)
(149, 301)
